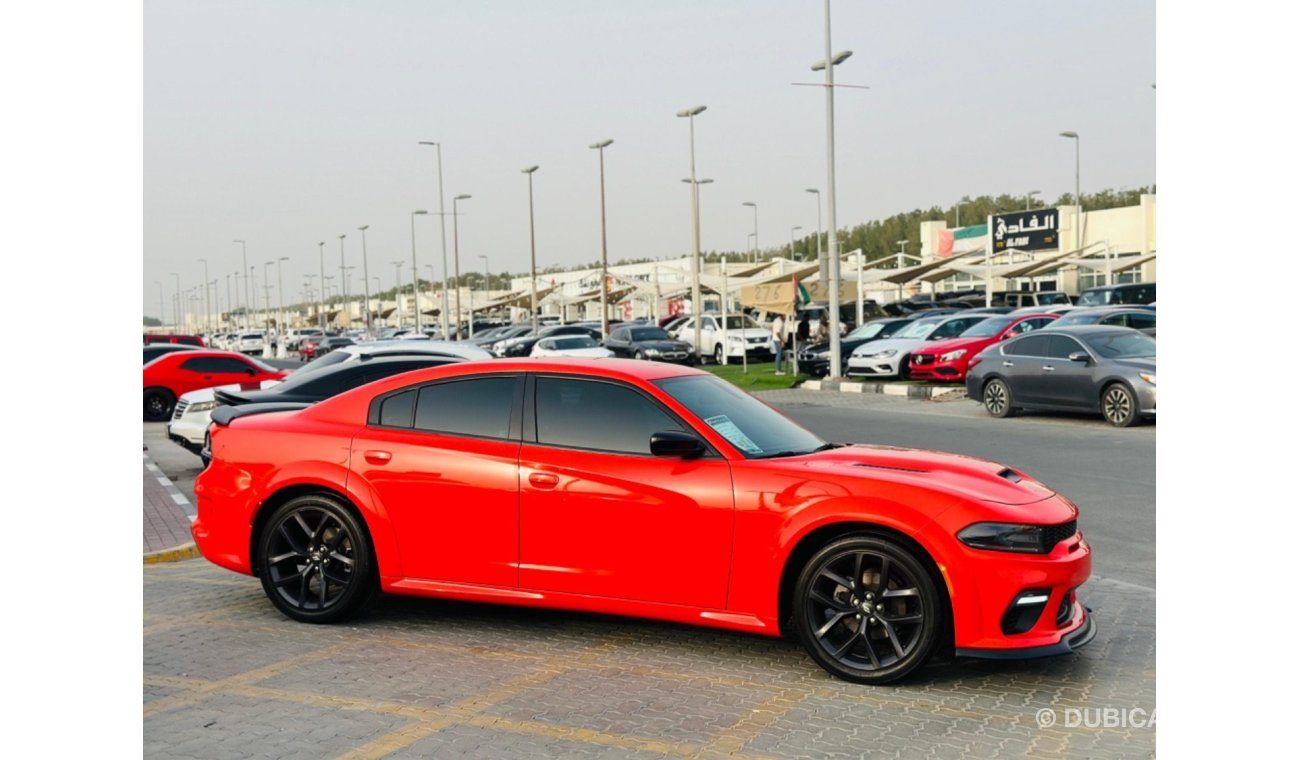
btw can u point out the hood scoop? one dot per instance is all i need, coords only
(888, 467)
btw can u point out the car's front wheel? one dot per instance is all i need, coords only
(1118, 405)
(997, 398)
(158, 404)
(867, 610)
(717, 354)
(314, 560)
(640, 355)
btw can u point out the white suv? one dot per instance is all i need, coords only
(251, 342)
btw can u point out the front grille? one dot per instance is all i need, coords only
(922, 359)
(1054, 534)
(180, 409)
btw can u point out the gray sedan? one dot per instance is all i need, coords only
(1085, 368)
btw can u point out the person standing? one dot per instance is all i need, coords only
(778, 342)
(824, 329)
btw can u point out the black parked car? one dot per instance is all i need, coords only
(648, 342)
(815, 359)
(523, 345)
(1136, 317)
(331, 381)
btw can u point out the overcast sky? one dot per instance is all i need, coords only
(289, 122)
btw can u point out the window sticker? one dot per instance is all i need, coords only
(727, 429)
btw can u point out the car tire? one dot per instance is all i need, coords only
(867, 610)
(904, 371)
(640, 355)
(315, 561)
(1119, 405)
(717, 354)
(158, 404)
(997, 398)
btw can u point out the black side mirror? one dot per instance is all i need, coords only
(1080, 356)
(675, 443)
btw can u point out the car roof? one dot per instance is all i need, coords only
(380, 347)
(1084, 330)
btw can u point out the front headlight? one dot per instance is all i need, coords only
(652, 352)
(888, 352)
(952, 356)
(735, 339)
(201, 406)
(1005, 537)
(1150, 377)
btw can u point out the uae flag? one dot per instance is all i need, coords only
(800, 292)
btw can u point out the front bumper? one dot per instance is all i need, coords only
(189, 430)
(870, 367)
(932, 369)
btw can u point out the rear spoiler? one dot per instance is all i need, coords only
(224, 415)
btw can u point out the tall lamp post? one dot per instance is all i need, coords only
(207, 305)
(266, 275)
(696, 304)
(792, 231)
(1078, 198)
(1029, 198)
(320, 303)
(754, 206)
(162, 312)
(487, 288)
(176, 312)
(898, 262)
(415, 274)
(279, 288)
(600, 147)
(442, 221)
(343, 279)
(397, 293)
(828, 65)
(821, 260)
(248, 325)
(455, 245)
(365, 275)
(532, 244)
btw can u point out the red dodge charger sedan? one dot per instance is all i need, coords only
(644, 489)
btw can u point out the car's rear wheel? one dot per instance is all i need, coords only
(158, 404)
(1118, 405)
(867, 610)
(314, 560)
(717, 354)
(997, 398)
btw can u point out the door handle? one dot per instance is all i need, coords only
(543, 480)
(1008, 364)
(378, 457)
(1048, 368)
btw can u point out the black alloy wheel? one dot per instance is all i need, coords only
(1118, 405)
(997, 398)
(314, 560)
(867, 610)
(158, 404)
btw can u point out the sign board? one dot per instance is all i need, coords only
(1025, 230)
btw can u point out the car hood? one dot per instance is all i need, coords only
(969, 476)
(661, 345)
(898, 344)
(208, 394)
(1141, 364)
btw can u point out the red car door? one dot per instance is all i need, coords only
(444, 461)
(601, 516)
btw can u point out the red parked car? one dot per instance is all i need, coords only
(646, 489)
(170, 375)
(949, 359)
(188, 340)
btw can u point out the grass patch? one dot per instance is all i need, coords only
(761, 376)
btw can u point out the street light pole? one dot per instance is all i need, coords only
(162, 312)
(230, 305)
(455, 242)
(792, 231)
(320, 303)
(1029, 199)
(365, 274)
(247, 315)
(604, 246)
(697, 305)
(343, 279)
(532, 242)
(487, 288)
(207, 305)
(442, 222)
(176, 312)
(833, 269)
(252, 283)
(279, 286)
(1078, 198)
(397, 294)
(415, 275)
(898, 262)
(755, 207)
(266, 275)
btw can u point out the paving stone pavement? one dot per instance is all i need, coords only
(225, 675)
(166, 522)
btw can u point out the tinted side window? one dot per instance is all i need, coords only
(214, 364)
(398, 411)
(1030, 345)
(1115, 319)
(1141, 321)
(619, 335)
(1061, 346)
(480, 407)
(583, 414)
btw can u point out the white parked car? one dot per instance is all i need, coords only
(252, 342)
(744, 335)
(883, 358)
(570, 345)
(188, 427)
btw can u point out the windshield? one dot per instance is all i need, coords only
(869, 330)
(649, 333)
(321, 362)
(988, 328)
(565, 344)
(1095, 298)
(918, 329)
(1051, 299)
(751, 426)
(1122, 345)
(1076, 318)
(736, 322)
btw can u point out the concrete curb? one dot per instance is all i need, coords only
(175, 554)
(924, 392)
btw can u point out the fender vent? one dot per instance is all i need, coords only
(1009, 474)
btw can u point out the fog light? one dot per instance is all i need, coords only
(1024, 610)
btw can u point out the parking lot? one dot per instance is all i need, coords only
(226, 675)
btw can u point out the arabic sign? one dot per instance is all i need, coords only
(1025, 230)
